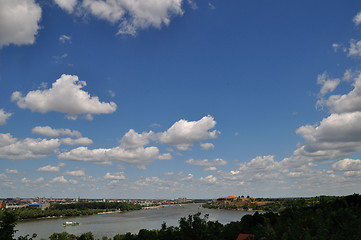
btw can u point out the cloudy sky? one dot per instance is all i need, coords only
(179, 98)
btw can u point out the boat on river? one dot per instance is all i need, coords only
(70, 223)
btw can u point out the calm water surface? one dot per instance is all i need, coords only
(120, 223)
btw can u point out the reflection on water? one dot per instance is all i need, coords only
(120, 223)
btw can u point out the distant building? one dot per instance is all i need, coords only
(2, 204)
(182, 200)
(34, 205)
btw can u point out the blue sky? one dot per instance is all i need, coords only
(179, 98)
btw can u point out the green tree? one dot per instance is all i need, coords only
(86, 236)
(7, 225)
(62, 236)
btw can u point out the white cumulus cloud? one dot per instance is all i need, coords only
(19, 22)
(66, 96)
(49, 168)
(50, 132)
(77, 173)
(133, 15)
(336, 136)
(28, 148)
(67, 5)
(77, 141)
(59, 179)
(115, 176)
(357, 19)
(209, 179)
(184, 133)
(206, 146)
(208, 165)
(4, 116)
(347, 165)
(11, 171)
(132, 139)
(165, 156)
(350, 102)
(355, 48)
(138, 156)
(328, 85)
(38, 180)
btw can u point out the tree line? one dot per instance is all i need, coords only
(73, 209)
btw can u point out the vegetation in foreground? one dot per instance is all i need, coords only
(331, 218)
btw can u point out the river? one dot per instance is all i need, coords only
(119, 223)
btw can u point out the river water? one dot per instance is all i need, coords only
(119, 223)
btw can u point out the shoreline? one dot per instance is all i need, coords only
(54, 217)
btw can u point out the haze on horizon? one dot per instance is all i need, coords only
(179, 98)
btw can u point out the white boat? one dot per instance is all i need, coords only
(70, 223)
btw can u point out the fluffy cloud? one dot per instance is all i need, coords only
(19, 21)
(11, 171)
(38, 180)
(338, 135)
(209, 179)
(357, 19)
(78, 141)
(78, 173)
(66, 96)
(207, 165)
(28, 148)
(4, 116)
(260, 164)
(349, 102)
(50, 132)
(59, 179)
(184, 133)
(131, 150)
(132, 139)
(355, 48)
(165, 156)
(49, 168)
(134, 15)
(206, 146)
(67, 5)
(328, 85)
(115, 176)
(347, 165)
(334, 137)
(137, 156)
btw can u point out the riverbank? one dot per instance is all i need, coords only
(73, 210)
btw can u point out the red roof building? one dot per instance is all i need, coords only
(243, 236)
(2, 204)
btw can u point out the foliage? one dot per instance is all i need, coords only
(74, 209)
(7, 225)
(67, 236)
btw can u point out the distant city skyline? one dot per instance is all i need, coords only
(179, 98)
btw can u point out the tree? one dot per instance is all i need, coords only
(62, 236)
(86, 236)
(7, 225)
